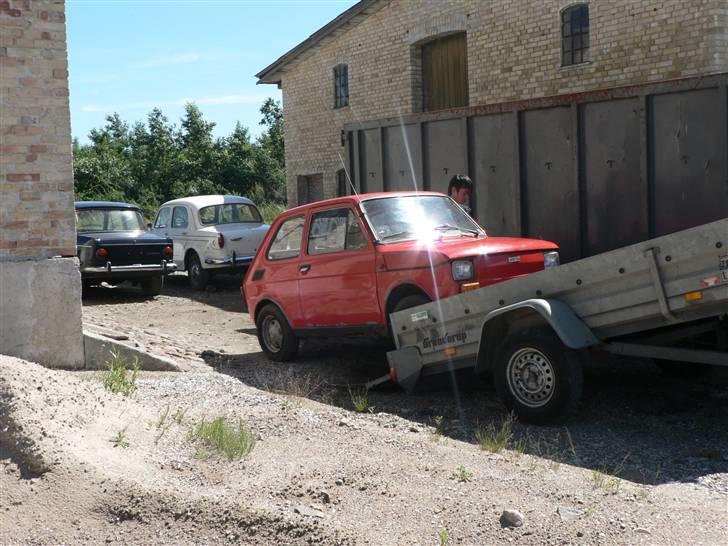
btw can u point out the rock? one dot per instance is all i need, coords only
(568, 513)
(642, 531)
(310, 512)
(339, 482)
(414, 429)
(512, 518)
(579, 534)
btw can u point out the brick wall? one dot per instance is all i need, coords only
(513, 53)
(36, 174)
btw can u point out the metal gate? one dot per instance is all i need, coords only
(593, 171)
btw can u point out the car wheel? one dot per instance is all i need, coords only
(152, 287)
(198, 276)
(405, 303)
(537, 376)
(275, 335)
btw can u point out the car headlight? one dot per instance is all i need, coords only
(462, 270)
(551, 259)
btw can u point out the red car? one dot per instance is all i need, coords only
(343, 265)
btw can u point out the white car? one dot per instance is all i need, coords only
(211, 233)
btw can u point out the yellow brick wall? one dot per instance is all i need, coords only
(36, 174)
(513, 53)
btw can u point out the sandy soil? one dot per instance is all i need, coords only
(645, 461)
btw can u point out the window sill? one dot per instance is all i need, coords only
(574, 66)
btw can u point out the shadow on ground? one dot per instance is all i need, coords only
(634, 422)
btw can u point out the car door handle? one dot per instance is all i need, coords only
(183, 233)
(304, 268)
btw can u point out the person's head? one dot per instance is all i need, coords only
(460, 188)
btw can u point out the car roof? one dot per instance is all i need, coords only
(358, 198)
(200, 201)
(105, 205)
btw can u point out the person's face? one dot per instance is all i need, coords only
(461, 196)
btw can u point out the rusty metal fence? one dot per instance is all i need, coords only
(591, 171)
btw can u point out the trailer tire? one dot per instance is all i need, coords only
(537, 376)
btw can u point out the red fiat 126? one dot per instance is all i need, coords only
(343, 265)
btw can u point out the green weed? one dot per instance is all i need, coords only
(221, 437)
(117, 378)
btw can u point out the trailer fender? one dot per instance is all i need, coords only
(572, 331)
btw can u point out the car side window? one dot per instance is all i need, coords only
(334, 231)
(179, 217)
(162, 218)
(287, 242)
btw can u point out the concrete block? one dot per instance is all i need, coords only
(98, 348)
(40, 311)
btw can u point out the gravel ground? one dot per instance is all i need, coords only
(645, 460)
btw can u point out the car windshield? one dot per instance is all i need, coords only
(424, 217)
(105, 219)
(229, 213)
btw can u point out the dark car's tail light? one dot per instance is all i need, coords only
(167, 251)
(102, 253)
(221, 240)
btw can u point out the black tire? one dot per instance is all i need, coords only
(682, 370)
(275, 335)
(153, 286)
(555, 373)
(198, 276)
(405, 303)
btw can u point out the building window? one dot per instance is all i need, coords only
(341, 185)
(310, 188)
(341, 86)
(445, 72)
(575, 35)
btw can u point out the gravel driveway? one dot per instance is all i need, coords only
(645, 460)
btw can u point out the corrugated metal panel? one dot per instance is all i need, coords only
(689, 147)
(615, 195)
(496, 179)
(370, 153)
(402, 158)
(550, 198)
(445, 142)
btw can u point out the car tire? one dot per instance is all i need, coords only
(199, 277)
(538, 377)
(153, 286)
(405, 303)
(275, 335)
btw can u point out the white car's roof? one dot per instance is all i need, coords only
(200, 201)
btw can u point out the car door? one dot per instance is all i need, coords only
(280, 274)
(337, 278)
(178, 230)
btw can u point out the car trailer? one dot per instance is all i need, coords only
(665, 298)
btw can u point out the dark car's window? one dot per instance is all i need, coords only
(108, 220)
(334, 231)
(287, 242)
(162, 218)
(229, 213)
(179, 217)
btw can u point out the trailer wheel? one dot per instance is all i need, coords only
(537, 376)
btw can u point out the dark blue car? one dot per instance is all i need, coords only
(114, 245)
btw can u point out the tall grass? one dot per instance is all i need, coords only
(222, 437)
(117, 378)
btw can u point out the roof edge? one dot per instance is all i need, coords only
(267, 75)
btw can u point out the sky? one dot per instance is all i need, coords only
(128, 56)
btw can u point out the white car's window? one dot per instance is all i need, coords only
(334, 231)
(287, 242)
(162, 218)
(179, 217)
(229, 213)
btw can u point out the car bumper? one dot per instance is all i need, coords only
(230, 261)
(162, 267)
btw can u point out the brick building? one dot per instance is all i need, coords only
(40, 304)
(404, 93)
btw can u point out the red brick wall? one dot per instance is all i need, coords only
(36, 174)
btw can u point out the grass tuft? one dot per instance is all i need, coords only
(222, 437)
(461, 474)
(497, 438)
(120, 440)
(117, 378)
(440, 425)
(444, 537)
(360, 399)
